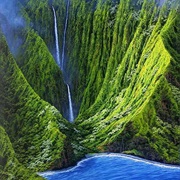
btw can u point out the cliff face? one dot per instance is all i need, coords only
(42, 72)
(130, 102)
(122, 63)
(36, 129)
(137, 108)
(10, 168)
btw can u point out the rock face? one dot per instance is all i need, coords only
(129, 55)
(36, 128)
(122, 63)
(10, 168)
(41, 71)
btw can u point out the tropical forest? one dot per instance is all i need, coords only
(84, 77)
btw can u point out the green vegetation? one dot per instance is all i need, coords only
(89, 41)
(36, 129)
(123, 64)
(10, 168)
(135, 96)
(41, 71)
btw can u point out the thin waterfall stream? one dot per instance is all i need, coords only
(56, 38)
(64, 36)
(61, 63)
(71, 115)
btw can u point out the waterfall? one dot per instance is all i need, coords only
(71, 115)
(61, 64)
(56, 38)
(64, 35)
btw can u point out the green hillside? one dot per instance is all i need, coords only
(38, 132)
(122, 62)
(137, 108)
(41, 71)
(10, 168)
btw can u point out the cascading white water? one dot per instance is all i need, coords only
(64, 35)
(56, 38)
(71, 114)
(61, 64)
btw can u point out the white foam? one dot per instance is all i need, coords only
(48, 173)
(137, 159)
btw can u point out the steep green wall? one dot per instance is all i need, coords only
(33, 125)
(42, 72)
(136, 110)
(89, 40)
(41, 18)
(123, 66)
(38, 34)
(10, 168)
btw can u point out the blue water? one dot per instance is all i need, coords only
(116, 167)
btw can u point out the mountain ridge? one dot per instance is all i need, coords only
(122, 63)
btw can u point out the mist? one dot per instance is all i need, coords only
(161, 2)
(12, 23)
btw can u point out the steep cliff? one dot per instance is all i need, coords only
(38, 132)
(122, 64)
(10, 168)
(42, 72)
(137, 108)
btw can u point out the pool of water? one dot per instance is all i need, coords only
(115, 167)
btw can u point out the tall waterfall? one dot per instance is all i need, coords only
(64, 35)
(61, 64)
(56, 38)
(71, 114)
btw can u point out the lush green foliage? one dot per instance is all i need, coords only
(135, 96)
(10, 168)
(89, 41)
(32, 124)
(41, 71)
(122, 60)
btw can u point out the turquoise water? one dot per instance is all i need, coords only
(116, 167)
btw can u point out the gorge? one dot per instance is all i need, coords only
(61, 63)
(87, 76)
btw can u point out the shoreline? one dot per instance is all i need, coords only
(101, 155)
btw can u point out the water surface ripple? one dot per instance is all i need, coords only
(116, 167)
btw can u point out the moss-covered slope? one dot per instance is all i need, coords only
(33, 125)
(40, 16)
(122, 62)
(42, 72)
(10, 168)
(137, 109)
(30, 50)
(89, 41)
